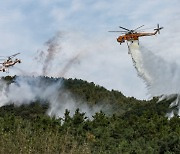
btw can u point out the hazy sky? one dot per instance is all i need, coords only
(87, 51)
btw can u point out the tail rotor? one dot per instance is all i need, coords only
(158, 28)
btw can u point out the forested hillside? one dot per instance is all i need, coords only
(127, 125)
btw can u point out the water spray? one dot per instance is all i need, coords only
(161, 77)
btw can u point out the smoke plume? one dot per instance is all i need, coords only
(161, 77)
(39, 89)
(46, 57)
(69, 64)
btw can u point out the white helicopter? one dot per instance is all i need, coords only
(9, 62)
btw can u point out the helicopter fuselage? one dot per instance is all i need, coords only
(133, 36)
(9, 63)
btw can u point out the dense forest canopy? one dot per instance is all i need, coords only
(126, 125)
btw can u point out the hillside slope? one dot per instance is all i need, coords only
(127, 125)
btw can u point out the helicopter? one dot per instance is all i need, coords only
(9, 62)
(131, 35)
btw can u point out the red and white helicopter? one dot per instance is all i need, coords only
(9, 62)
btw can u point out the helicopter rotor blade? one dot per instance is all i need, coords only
(14, 55)
(118, 31)
(138, 28)
(146, 29)
(124, 28)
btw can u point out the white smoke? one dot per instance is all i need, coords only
(25, 90)
(161, 77)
